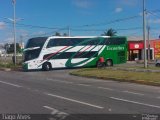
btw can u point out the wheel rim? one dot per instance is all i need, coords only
(46, 67)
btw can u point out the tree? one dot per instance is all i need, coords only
(10, 48)
(65, 34)
(110, 32)
(57, 34)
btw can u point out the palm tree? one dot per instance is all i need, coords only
(110, 32)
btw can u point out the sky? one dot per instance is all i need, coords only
(81, 17)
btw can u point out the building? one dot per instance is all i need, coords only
(136, 49)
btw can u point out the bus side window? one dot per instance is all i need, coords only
(50, 43)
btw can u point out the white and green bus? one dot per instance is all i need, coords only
(69, 52)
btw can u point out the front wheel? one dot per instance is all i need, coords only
(109, 63)
(46, 66)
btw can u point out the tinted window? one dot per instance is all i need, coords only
(36, 42)
(73, 42)
(31, 54)
(116, 41)
(67, 55)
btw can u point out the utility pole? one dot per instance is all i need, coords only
(148, 42)
(14, 28)
(144, 33)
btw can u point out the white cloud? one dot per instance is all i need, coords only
(2, 25)
(83, 3)
(154, 21)
(9, 40)
(129, 2)
(118, 10)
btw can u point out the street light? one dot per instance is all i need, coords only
(14, 20)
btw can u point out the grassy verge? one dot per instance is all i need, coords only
(149, 78)
(9, 65)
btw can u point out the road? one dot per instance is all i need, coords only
(57, 92)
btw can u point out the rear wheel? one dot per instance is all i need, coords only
(109, 63)
(46, 66)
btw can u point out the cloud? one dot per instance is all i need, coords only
(118, 10)
(2, 25)
(83, 3)
(155, 21)
(129, 2)
(9, 40)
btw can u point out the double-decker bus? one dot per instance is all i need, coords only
(68, 52)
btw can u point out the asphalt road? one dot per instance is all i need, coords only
(57, 92)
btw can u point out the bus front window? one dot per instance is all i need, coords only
(36, 42)
(33, 48)
(31, 54)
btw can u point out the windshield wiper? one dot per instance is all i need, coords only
(33, 48)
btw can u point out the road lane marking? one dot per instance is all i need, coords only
(83, 85)
(60, 81)
(7, 83)
(104, 88)
(54, 111)
(57, 114)
(133, 93)
(139, 103)
(76, 101)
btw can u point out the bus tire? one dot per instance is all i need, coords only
(109, 63)
(46, 66)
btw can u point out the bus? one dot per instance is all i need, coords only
(47, 53)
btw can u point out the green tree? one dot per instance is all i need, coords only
(65, 34)
(110, 32)
(57, 34)
(10, 48)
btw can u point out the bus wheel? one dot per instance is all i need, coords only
(109, 63)
(46, 66)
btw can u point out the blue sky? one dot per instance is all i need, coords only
(84, 17)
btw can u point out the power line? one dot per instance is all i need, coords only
(155, 11)
(33, 26)
(111, 22)
(89, 25)
(153, 14)
(120, 29)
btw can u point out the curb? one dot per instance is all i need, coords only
(142, 82)
(10, 69)
(5, 69)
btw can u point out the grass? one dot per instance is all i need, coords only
(9, 65)
(151, 78)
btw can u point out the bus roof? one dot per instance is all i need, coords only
(78, 36)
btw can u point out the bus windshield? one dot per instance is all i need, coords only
(31, 54)
(36, 42)
(33, 48)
